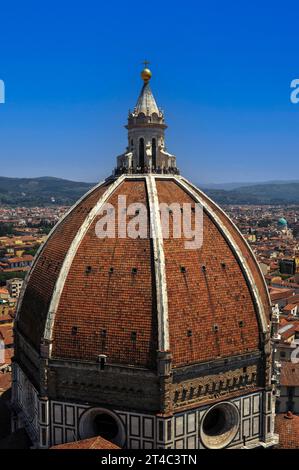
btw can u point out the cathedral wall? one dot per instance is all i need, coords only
(146, 431)
(54, 421)
(117, 386)
(25, 403)
(192, 386)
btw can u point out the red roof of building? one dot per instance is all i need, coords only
(19, 259)
(280, 294)
(289, 374)
(287, 427)
(9, 352)
(97, 442)
(291, 330)
(293, 299)
(5, 381)
(6, 318)
(6, 332)
(289, 307)
(19, 269)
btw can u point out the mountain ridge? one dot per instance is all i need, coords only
(50, 190)
(236, 185)
(44, 190)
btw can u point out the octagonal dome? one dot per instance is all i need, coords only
(131, 298)
(145, 317)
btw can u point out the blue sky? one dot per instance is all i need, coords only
(221, 72)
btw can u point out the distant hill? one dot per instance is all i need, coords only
(230, 186)
(265, 193)
(47, 190)
(42, 191)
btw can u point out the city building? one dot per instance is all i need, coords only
(6, 345)
(4, 294)
(19, 262)
(289, 388)
(289, 332)
(144, 340)
(281, 296)
(14, 286)
(287, 266)
(282, 223)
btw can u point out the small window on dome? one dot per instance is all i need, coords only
(134, 270)
(183, 269)
(134, 336)
(88, 269)
(74, 330)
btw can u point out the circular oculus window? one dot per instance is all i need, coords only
(219, 425)
(104, 423)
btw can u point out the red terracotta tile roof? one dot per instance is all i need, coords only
(280, 294)
(282, 321)
(289, 374)
(19, 259)
(243, 246)
(5, 381)
(289, 307)
(293, 299)
(224, 297)
(288, 332)
(43, 277)
(97, 442)
(6, 332)
(9, 352)
(124, 303)
(12, 270)
(287, 427)
(99, 310)
(6, 318)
